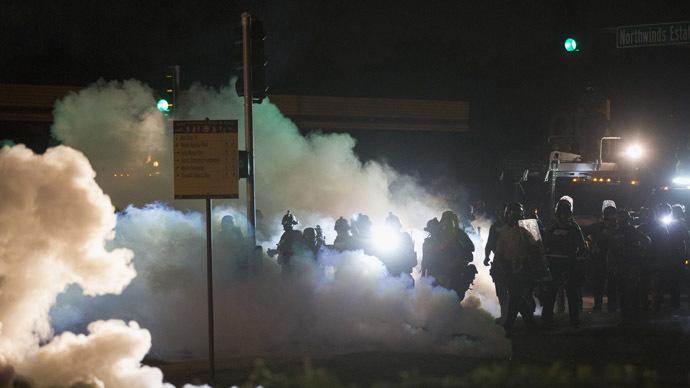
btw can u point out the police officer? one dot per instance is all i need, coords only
(602, 275)
(498, 270)
(431, 248)
(291, 243)
(515, 245)
(565, 246)
(626, 254)
(400, 258)
(343, 239)
(659, 253)
(362, 235)
(311, 243)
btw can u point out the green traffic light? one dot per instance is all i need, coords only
(163, 105)
(571, 45)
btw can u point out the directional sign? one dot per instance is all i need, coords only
(653, 35)
(205, 155)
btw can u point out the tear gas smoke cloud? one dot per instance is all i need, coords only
(346, 303)
(54, 220)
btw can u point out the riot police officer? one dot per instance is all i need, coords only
(658, 253)
(602, 274)
(626, 254)
(362, 235)
(399, 258)
(565, 248)
(498, 271)
(431, 248)
(291, 243)
(515, 245)
(343, 239)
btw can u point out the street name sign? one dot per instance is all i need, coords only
(205, 159)
(653, 35)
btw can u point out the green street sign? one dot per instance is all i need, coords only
(653, 35)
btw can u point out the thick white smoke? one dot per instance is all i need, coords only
(54, 221)
(346, 303)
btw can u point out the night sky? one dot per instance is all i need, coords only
(505, 58)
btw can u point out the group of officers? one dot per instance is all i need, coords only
(447, 251)
(627, 262)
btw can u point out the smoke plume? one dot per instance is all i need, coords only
(54, 220)
(344, 303)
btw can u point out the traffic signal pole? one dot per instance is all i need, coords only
(249, 132)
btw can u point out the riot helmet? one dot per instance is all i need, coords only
(514, 212)
(289, 221)
(227, 223)
(607, 203)
(309, 235)
(564, 207)
(341, 225)
(432, 226)
(393, 222)
(449, 220)
(362, 223)
(609, 211)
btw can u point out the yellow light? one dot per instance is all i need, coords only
(686, 262)
(574, 179)
(155, 164)
(115, 175)
(608, 179)
(121, 175)
(150, 175)
(127, 174)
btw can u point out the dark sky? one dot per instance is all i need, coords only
(504, 57)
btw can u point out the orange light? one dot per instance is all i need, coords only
(574, 179)
(665, 188)
(155, 164)
(608, 179)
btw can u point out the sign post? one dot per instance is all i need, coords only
(206, 167)
(653, 35)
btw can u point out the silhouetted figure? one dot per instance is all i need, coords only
(602, 275)
(397, 252)
(450, 256)
(343, 239)
(565, 246)
(626, 253)
(498, 269)
(515, 245)
(290, 245)
(233, 238)
(659, 252)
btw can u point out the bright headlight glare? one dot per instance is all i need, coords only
(634, 151)
(681, 180)
(667, 219)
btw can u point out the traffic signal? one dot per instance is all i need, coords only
(244, 164)
(257, 60)
(570, 44)
(168, 98)
(573, 43)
